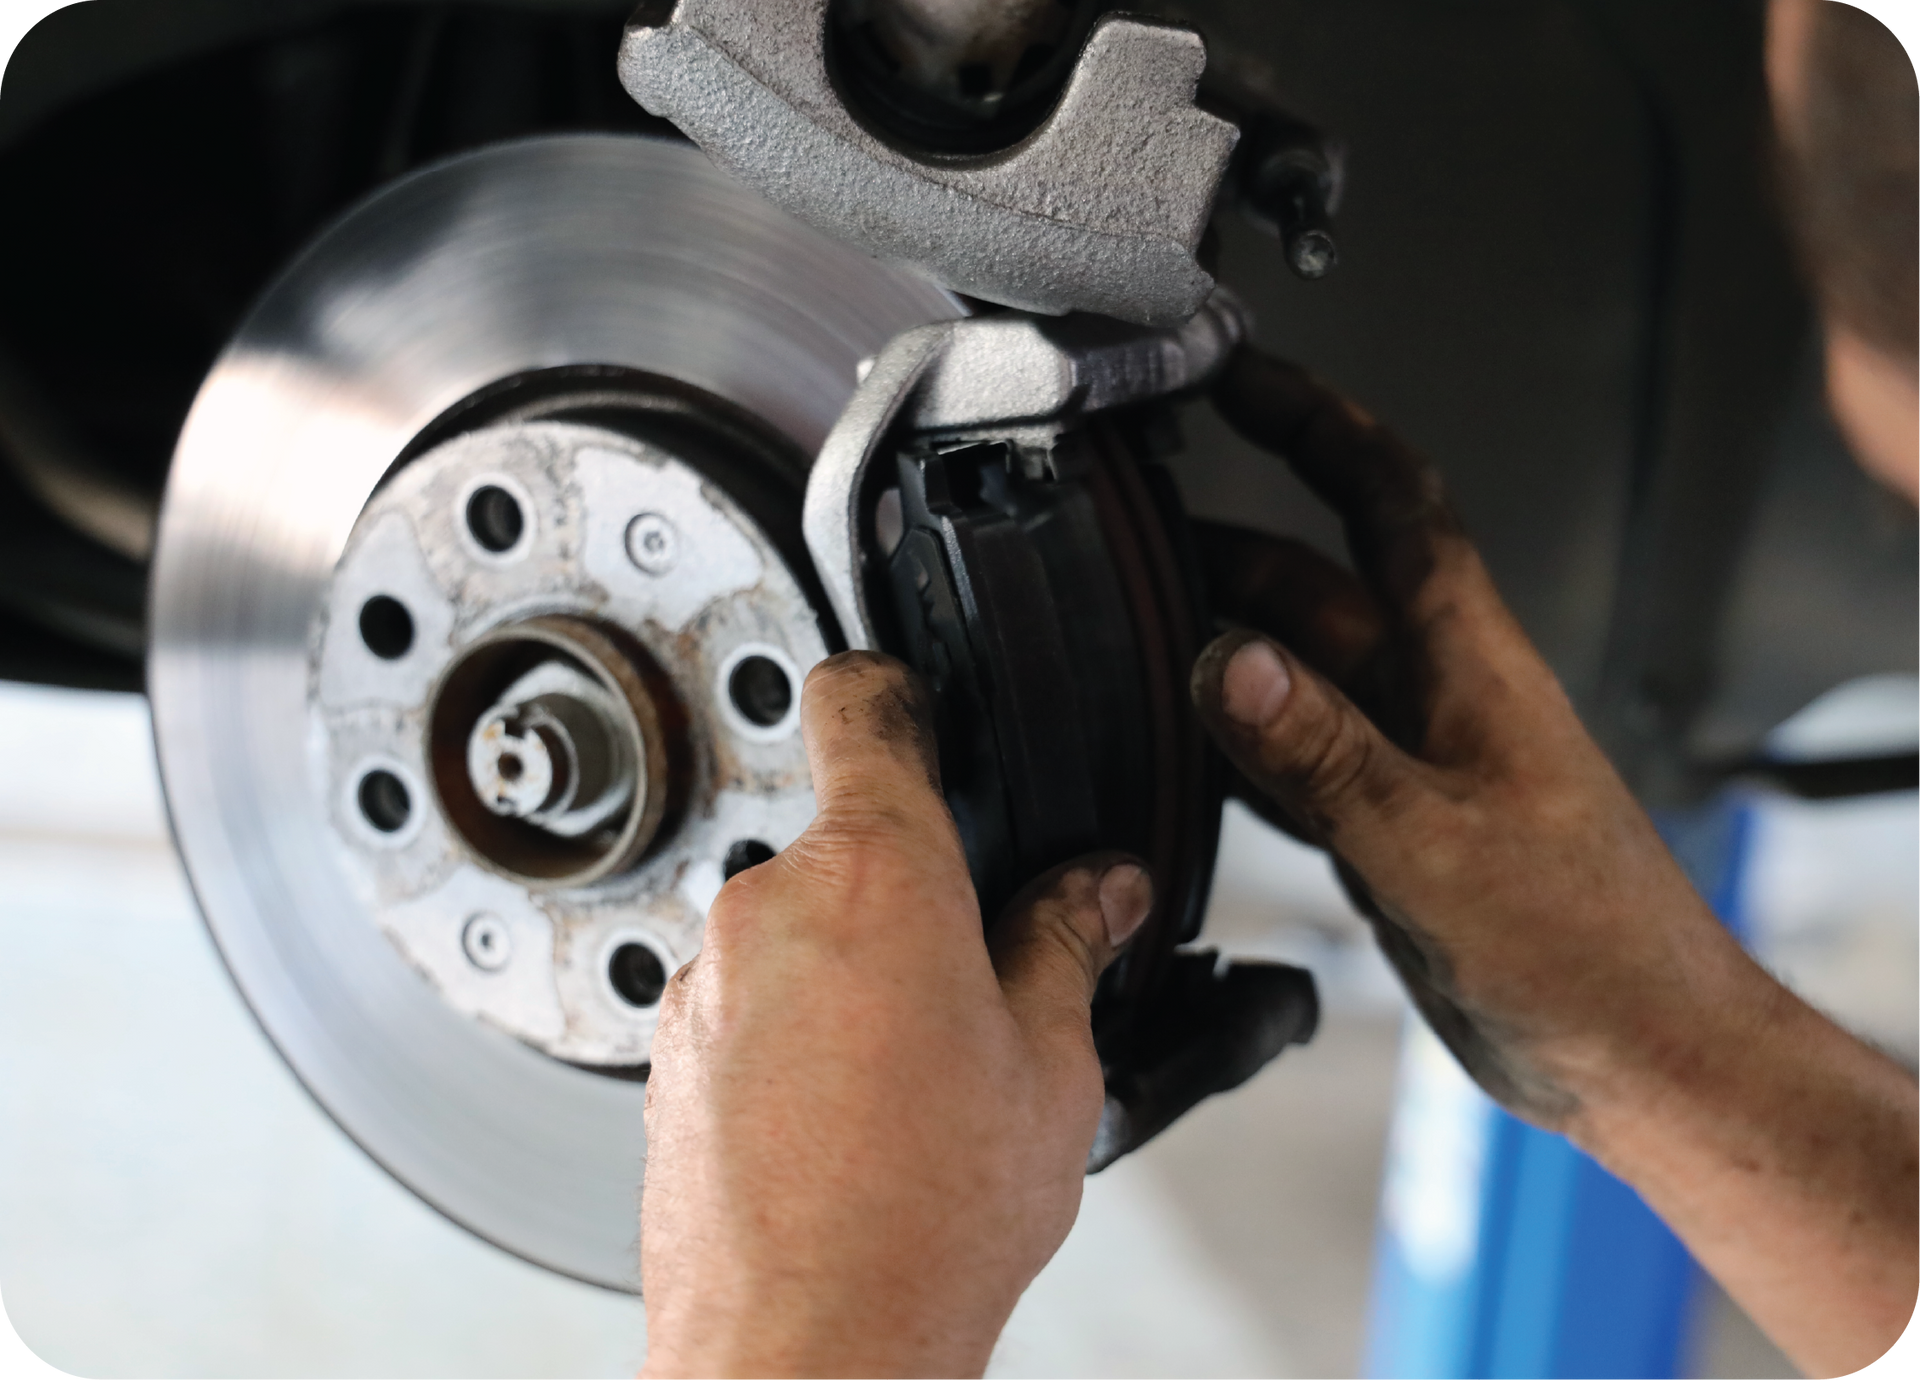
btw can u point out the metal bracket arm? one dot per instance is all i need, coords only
(1100, 209)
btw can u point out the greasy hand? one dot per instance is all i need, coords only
(1401, 720)
(867, 1130)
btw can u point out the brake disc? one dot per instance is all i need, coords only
(492, 559)
(479, 614)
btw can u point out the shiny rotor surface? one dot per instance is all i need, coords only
(532, 255)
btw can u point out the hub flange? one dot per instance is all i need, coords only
(590, 750)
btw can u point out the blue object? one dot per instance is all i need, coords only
(1505, 1251)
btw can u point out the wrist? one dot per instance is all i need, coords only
(850, 1351)
(1687, 1029)
(799, 1325)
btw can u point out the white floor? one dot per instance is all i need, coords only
(171, 1203)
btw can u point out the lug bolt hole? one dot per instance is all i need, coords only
(760, 690)
(743, 854)
(494, 518)
(386, 627)
(637, 975)
(384, 801)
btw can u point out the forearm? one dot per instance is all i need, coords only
(1783, 1151)
(1403, 721)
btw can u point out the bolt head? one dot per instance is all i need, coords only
(1312, 254)
(653, 543)
(487, 942)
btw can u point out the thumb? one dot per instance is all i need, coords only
(882, 842)
(868, 724)
(1059, 934)
(1300, 740)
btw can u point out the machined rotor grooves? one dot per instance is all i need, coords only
(489, 280)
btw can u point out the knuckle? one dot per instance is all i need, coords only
(736, 901)
(892, 825)
(851, 846)
(1070, 940)
(876, 818)
(676, 1003)
(1071, 962)
(1333, 755)
(856, 863)
(1055, 935)
(746, 904)
(1336, 762)
(1067, 921)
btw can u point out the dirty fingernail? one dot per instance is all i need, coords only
(1126, 895)
(1254, 684)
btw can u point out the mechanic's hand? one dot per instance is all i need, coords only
(867, 1130)
(1402, 721)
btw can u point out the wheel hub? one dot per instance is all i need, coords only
(611, 713)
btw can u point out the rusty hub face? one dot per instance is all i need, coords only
(556, 684)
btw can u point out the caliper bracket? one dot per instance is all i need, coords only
(1100, 209)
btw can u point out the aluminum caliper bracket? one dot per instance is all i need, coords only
(1100, 209)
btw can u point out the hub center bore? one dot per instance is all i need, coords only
(550, 752)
